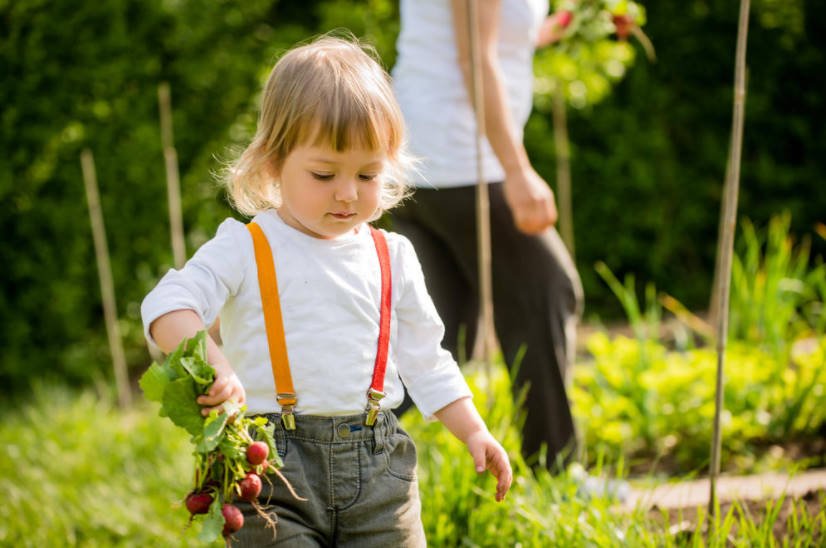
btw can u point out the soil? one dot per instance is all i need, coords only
(677, 506)
(682, 522)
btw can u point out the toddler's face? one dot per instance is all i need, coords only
(326, 193)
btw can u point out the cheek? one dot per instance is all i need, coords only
(372, 193)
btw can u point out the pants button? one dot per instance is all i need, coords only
(343, 430)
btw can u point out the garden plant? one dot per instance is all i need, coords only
(646, 133)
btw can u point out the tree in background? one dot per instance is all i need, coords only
(647, 159)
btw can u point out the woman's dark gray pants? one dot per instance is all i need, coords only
(537, 297)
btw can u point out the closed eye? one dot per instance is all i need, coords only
(322, 176)
(367, 176)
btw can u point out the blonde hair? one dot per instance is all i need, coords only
(331, 91)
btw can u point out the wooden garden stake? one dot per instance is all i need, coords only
(562, 145)
(482, 200)
(732, 187)
(714, 302)
(107, 288)
(173, 185)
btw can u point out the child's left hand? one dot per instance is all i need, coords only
(488, 454)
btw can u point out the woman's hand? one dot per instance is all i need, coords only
(553, 28)
(531, 201)
(226, 387)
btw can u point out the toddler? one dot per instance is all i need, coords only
(324, 319)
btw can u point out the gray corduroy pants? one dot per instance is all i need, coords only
(359, 481)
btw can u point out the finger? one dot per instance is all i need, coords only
(219, 385)
(505, 478)
(220, 397)
(478, 460)
(499, 466)
(207, 410)
(532, 225)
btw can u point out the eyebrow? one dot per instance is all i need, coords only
(320, 160)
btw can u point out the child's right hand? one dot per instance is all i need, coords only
(226, 387)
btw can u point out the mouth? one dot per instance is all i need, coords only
(343, 215)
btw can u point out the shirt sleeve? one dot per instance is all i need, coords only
(206, 281)
(429, 372)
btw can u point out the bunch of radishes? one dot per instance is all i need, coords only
(217, 483)
(590, 20)
(233, 453)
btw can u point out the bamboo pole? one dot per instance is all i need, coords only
(732, 188)
(173, 185)
(714, 303)
(107, 287)
(562, 144)
(482, 199)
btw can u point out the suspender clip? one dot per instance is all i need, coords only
(373, 406)
(287, 403)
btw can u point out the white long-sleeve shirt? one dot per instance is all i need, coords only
(428, 83)
(330, 292)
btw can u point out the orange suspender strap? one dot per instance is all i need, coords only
(376, 391)
(285, 393)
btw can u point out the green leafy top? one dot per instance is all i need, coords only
(183, 376)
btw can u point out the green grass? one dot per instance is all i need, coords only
(76, 471)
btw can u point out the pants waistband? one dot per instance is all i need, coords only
(343, 429)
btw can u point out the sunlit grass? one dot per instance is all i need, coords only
(75, 471)
(78, 472)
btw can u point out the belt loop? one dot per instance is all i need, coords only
(379, 433)
(280, 438)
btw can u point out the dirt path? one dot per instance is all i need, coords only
(688, 494)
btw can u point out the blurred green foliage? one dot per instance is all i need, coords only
(648, 160)
(650, 398)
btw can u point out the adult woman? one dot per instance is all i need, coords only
(536, 289)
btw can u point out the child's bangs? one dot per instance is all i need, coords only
(350, 125)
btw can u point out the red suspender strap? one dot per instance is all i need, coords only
(267, 282)
(376, 391)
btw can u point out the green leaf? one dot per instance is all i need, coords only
(180, 406)
(196, 346)
(198, 369)
(232, 450)
(213, 523)
(173, 363)
(154, 381)
(213, 429)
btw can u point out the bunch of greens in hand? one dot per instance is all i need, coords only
(232, 452)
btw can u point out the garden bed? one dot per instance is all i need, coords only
(784, 518)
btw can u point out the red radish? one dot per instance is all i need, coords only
(233, 519)
(257, 452)
(563, 18)
(250, 487)
(623, 23)
(198, 503)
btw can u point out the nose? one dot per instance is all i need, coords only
(347, 190)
